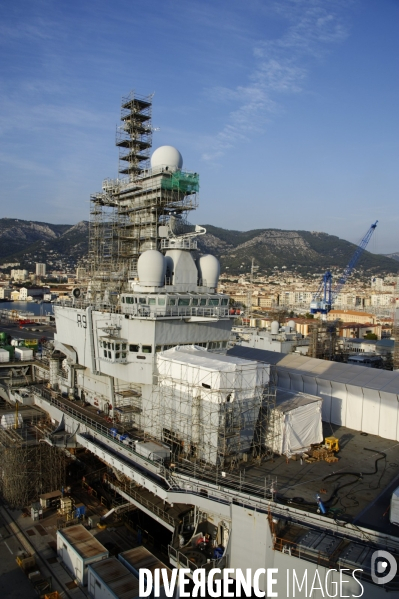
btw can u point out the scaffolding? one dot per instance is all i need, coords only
(125, 216)
(323, 340)
(28, 471)
(210, 416)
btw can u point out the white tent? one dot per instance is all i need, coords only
(297, 423)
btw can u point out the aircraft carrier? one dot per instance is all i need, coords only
(225, 448)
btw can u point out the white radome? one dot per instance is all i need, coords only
(151, 267)
(167, 156)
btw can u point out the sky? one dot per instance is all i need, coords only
(288, 109)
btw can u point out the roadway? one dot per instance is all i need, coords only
(26, 332)
(13, 582)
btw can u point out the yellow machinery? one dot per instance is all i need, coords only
(332, 443)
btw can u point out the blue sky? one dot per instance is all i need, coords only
(286, 108)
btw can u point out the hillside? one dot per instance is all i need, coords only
(28, 242)
(304, 250)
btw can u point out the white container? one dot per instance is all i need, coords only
(23, 354)
(4, 355)
(78, 548)
(153, 450)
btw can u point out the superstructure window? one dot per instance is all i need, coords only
(142, 300)
(203, 301)
(184, 301)
(161, 301)
(147, 349)
(213, 302)
(152, 301)
(134, 348)
(172, 301)
(224, 301)
(194, 301)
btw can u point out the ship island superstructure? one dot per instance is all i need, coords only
(145, 343)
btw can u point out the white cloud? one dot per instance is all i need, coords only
(281, 67)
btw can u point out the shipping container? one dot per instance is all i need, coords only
(153, 450)
(140, 557)
(78, 548)
(110, 579)
(23, 354)
(4, 355)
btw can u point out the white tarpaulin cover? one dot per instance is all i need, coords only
(197, 367)
(298, 425)
(8, 421)
(394, 509)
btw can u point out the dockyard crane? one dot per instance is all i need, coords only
(325, 296)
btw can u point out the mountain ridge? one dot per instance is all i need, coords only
(33, 241)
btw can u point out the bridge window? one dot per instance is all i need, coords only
(152, 301)
(161, 301)
(203, 301)
(134, 348)
(213, 302)
(195, 301)
(147, 349)
(184, 301)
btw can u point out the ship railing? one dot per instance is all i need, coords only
(128, 489)
(175, 311)
(97, 427)
(182, 561)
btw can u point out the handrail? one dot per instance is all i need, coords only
(128, 489)
(100, 428)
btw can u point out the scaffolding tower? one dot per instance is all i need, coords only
(215, 419)
(323, 340)
(126, 215)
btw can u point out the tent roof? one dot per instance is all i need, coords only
(196, 356)
(350, 374)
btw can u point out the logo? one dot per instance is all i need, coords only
(383, 567)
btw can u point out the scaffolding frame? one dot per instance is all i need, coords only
(323, 340)
(126, 214)
(220, 424)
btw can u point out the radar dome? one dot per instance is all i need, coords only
(291, 324)
(168, 157)
(274, 327)
(209, 270)
(151, 267)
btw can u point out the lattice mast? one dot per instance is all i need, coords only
(127, 213)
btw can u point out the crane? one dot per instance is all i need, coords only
(325, 296)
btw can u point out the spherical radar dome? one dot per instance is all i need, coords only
(167, 156)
